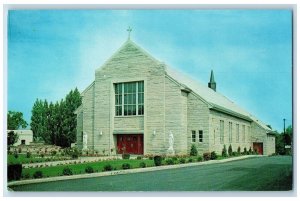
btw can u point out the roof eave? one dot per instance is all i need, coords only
(230, 112)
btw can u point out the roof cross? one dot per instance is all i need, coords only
(129, 30)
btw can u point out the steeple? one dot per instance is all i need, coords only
(212, 84)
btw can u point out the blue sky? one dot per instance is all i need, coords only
(51, 52)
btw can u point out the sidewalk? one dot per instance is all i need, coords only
(129, 171)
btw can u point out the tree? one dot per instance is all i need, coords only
(12, 138)
(37, 119)
(288, 135)
(56, 123)
(194, 151)
(230, 150)
(15, 120)
(284, 139)
(224, 151)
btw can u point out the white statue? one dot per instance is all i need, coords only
(84, 140)
(170, 150)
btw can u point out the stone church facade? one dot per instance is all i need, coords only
(137, 102)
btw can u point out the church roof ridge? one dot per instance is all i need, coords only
(215, 99)
(129, 42)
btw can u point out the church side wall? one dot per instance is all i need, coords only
(270, 145)
(259, 134)
(197, 119)
(175, 117)
(215, 141)
(88, 115)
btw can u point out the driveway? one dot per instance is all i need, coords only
(253, 174)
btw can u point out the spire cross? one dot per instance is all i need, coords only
(129, 30)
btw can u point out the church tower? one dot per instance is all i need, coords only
(212, 84)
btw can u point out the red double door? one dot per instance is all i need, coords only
(131, 144)
(258, 146)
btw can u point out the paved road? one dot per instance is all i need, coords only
(254, 174)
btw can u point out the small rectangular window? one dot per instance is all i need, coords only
(193, 136)
(230, 132)
(244, 133)
(221, 131)
(200, 136)
(237, 132)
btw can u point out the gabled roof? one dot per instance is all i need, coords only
(129, 43)
(214, 99)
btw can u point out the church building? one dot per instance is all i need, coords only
(139, 105)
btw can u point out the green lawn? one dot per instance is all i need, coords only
(80, 168)
(52, 171)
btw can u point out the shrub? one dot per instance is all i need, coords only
(169, 161)
(26, 176)
(42, 155)
(206, 156)
(38, 174)
(224, 151)
(230, 150)
(239, 150)
(181, 160)
(139, 158)
(234, 153)
(67, 171)
(190, 160)
(142, 164)
(14, 171)
(245, 151)
(89, 169)
(19, 150)
(28, 154)
(199, 158)
(250, 150)
(213, 155)
(125, 156)
(53, 152)
(157, 160)
(16, 155)
(74, 153)
(194, 151)
(125, 166)
(174, 158)
(108, 167)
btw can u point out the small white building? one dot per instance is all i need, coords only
(25, 137)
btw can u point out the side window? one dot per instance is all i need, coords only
(193, 136)
(200, 136)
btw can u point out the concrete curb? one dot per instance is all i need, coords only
(129, 171)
